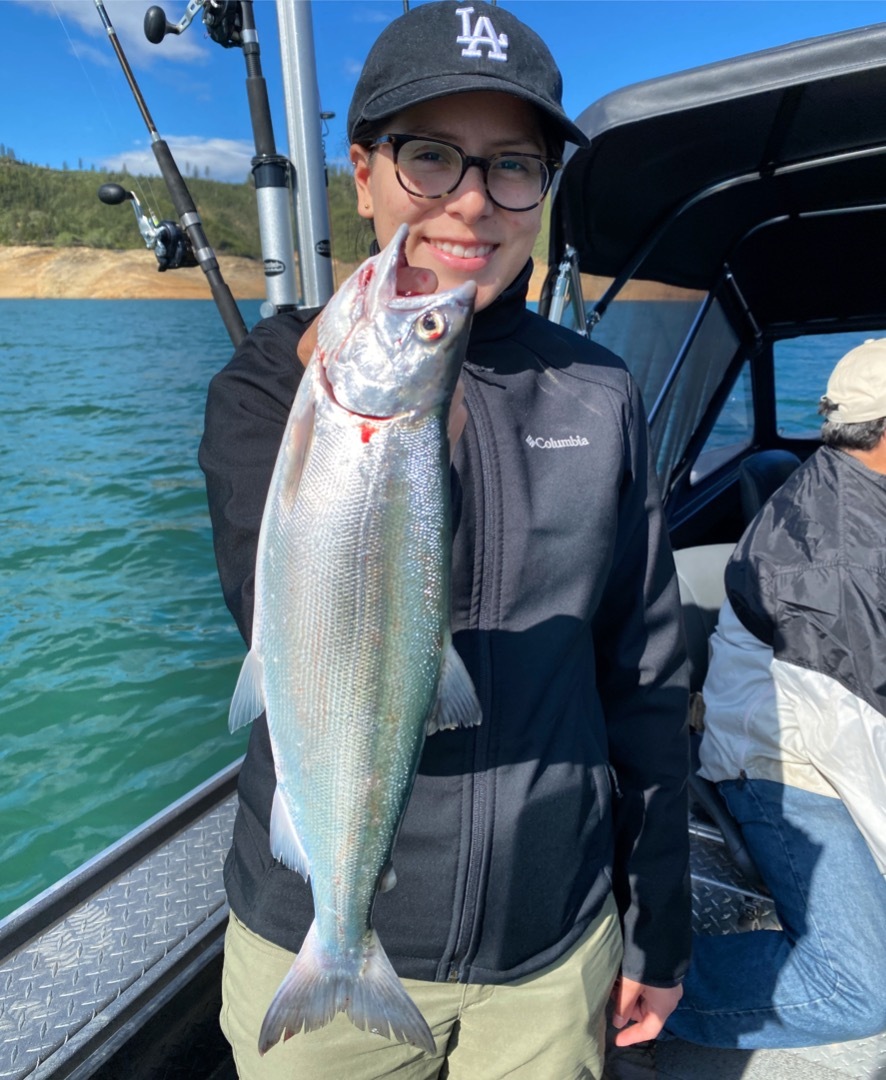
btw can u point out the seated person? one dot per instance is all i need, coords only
(795, 737)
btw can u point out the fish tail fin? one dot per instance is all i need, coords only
(378, 1002)
(367, 989)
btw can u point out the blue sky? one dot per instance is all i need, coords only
(65, 100)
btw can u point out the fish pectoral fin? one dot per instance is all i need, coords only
(457, 705)
(285, 844)
(248, 701)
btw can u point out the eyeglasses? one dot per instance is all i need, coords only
(432, 169)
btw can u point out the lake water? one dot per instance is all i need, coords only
(118, 654)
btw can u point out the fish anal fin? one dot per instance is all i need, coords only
(457, 705)
(248, 701)
(285, 843)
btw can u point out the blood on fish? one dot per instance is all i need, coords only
(367, 430)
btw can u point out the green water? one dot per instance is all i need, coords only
(118, 654)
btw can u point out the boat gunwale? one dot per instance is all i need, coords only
(54, 903)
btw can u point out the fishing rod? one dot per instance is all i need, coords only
(171, 247)
(231, 24)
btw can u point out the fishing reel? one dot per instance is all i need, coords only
(223, 20)
(168, 240)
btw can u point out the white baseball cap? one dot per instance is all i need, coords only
(857, 386)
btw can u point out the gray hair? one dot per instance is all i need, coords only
(861, 436)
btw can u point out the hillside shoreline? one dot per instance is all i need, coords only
(76, 273)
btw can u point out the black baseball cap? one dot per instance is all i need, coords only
(447, 47)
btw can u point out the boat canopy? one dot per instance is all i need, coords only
(770, 167)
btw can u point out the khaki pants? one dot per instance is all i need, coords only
(547, 1026)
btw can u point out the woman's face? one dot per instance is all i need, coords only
(463, 236)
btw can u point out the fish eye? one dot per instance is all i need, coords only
(431, 326)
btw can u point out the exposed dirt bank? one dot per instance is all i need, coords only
(86, 273)
(91, 274)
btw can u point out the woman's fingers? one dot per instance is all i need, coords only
(414, 280)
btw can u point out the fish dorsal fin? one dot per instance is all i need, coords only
(248, 701)
(285, 844)
(457, 705)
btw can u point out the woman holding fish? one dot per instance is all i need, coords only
(474, 895)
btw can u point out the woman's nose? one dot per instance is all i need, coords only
(470, 200)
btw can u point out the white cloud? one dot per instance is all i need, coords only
(127, 19)
(227, 159)
(98, 55)
(366, 13)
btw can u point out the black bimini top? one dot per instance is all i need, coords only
(772, 163)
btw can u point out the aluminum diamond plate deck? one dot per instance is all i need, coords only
(54, 988)
(62, 989)
(722, 902)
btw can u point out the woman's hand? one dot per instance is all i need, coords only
(640, 1011)
(411, 281)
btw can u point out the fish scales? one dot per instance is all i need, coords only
(365, 674)
(351, 656)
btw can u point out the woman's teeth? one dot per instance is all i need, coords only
(475, 251)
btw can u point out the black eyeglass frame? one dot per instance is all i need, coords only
(398, 141)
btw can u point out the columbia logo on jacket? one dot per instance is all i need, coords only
(556, 444)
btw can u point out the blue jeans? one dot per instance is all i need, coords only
(821, 979)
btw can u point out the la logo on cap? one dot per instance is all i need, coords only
(483, 33)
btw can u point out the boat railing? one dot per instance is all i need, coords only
(87, 962)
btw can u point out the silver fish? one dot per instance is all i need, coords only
(352, 655)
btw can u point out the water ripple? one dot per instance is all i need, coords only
(119, 656)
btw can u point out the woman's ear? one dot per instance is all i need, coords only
(360, 157)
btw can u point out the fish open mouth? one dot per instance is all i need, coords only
(381, 284)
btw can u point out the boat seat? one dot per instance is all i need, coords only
(702, 592)
(760, 475)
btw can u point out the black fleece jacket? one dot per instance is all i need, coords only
(565, 610)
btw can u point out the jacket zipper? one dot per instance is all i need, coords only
(479, 782)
